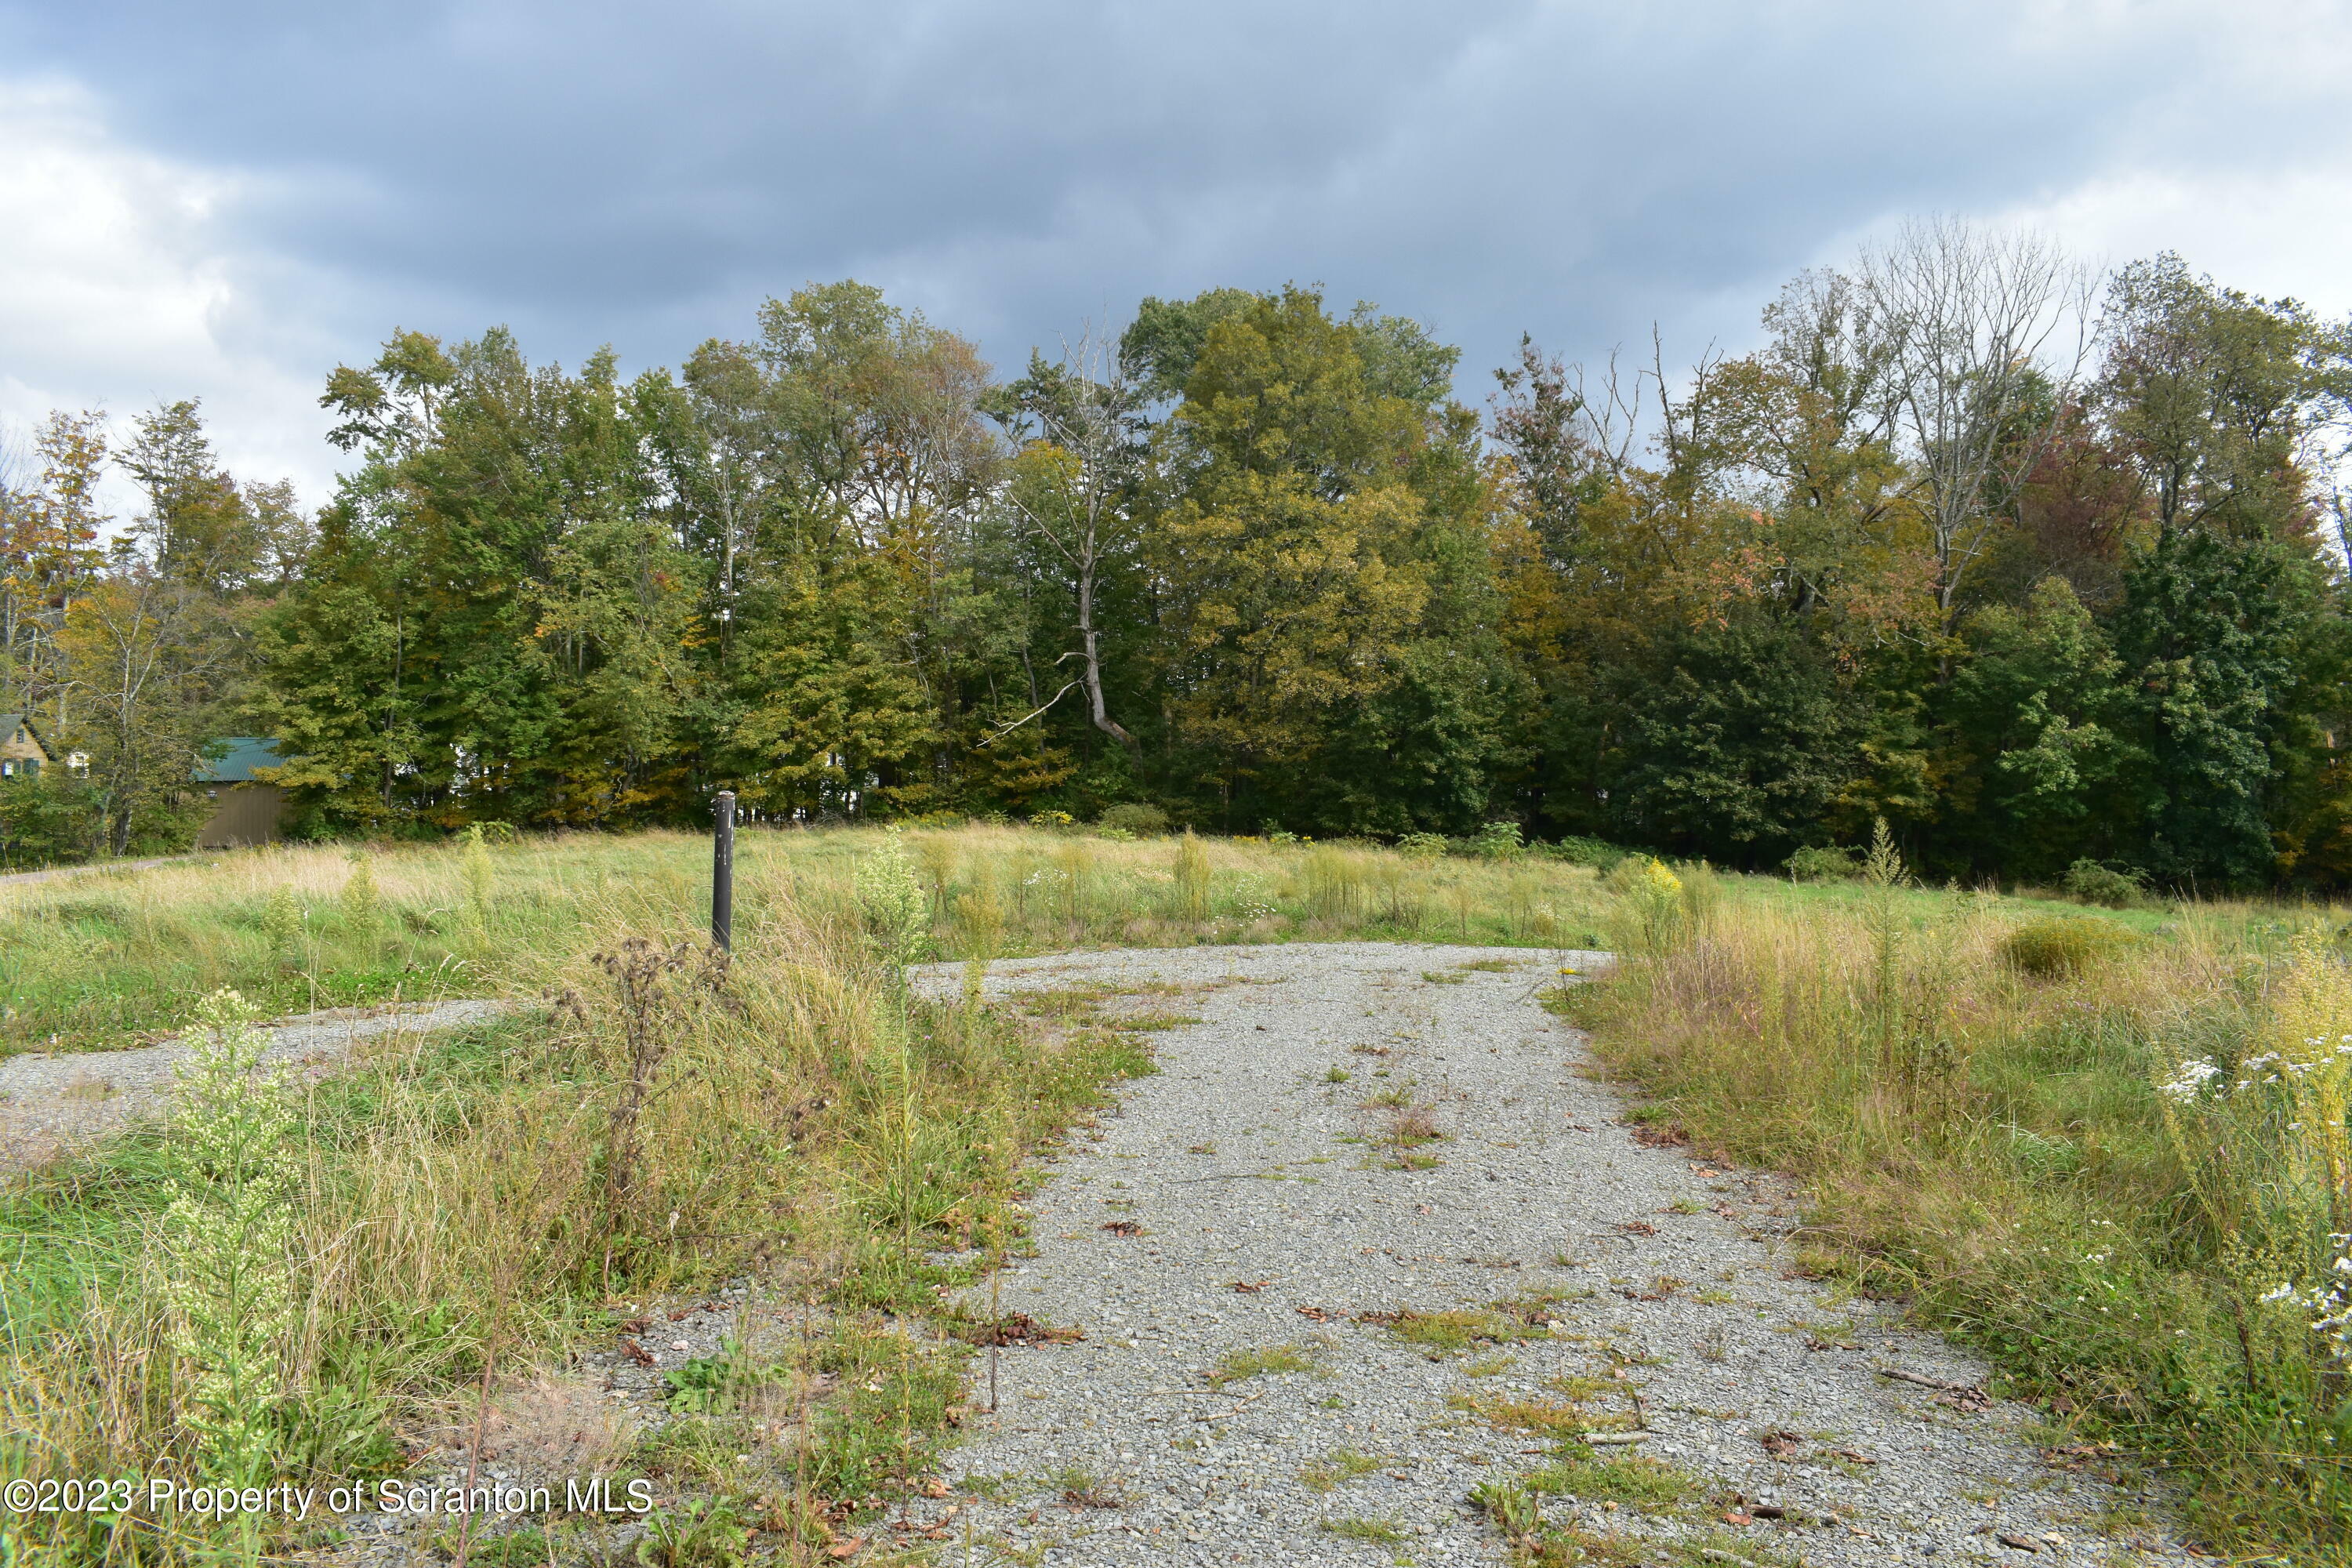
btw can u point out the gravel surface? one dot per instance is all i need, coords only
(49, 1101)
(1245, 1160)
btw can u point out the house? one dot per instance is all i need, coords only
(245, 810)
(22, 754)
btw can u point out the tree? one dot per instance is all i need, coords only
(1073, 484)
(1978, 326)
(48, 535)
(148, 657)
(1299, 517)
(198, 528)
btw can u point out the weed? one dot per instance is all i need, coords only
(1336, 1075)
(227, 1233)
(1262, 1361)
(1081, 1488)
(1449, 1330)
(1514, 1414)
(362, 903)
(701, 1532)
(1381, 1531)
(1341, 1465)
(1651, 1486)
(2106, 1153)
(2058, 947)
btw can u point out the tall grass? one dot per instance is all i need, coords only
(2124, 1177)
(98, 959)
(468, 1203)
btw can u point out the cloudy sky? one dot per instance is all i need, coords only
(225, 200)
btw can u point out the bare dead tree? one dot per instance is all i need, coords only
(1081, 417)
(1990, 333)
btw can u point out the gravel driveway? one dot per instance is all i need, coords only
(51, 1100)
(1248, 1202)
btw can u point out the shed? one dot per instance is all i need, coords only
(245, 810)
(22, 754)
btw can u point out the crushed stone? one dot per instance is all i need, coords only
(1243, 1163)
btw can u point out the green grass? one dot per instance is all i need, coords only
(1646, 1485)
(1969, 1087)
(1262, 1361)
(1336, 1469)
(460, 1219)
(99, 959)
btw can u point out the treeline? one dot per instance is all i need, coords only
(2040, 569)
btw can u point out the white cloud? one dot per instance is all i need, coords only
(118, 288)
(2276, 233)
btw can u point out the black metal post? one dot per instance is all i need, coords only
(722, 875)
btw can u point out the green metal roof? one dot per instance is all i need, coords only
(245, 753)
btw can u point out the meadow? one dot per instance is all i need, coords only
(105, 959)
(2104, 1147)
(321, 1281)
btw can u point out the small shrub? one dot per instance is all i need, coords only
(1823, 863)
(1134, 817)
(1593, 852)
(2095, 884)
(2057, 946)
(1500, 841)
(1653, 914)
(1191, 883)
(1421, 845)
(891, 906)
(362, 905)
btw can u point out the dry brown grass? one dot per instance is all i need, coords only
(1988, 1140)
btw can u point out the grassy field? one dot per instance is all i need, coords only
(105, 959)
(2108, 1150)
(2100, 1145)
(317, 1284)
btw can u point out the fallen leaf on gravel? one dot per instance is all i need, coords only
(845, 1548)
(2076, 1455)
(936, 1488)
(1319, 1314)
(1638, 1227)
(1781, 1444)
(1854, 1457)
(1124, 1228)
(636, 1353)
(1013, 1329)
(1251, 1287)
(1660, 1137)
(636, 1325)
(2019, 1542)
